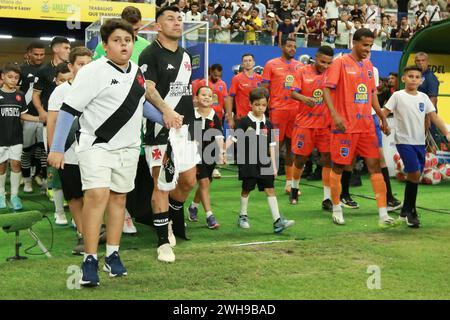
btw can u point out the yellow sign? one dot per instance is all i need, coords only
(440, 65)
(68, 10)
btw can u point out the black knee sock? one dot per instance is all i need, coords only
(26, 162)
(345, 182)
(176, 215)
(409, 203)
(161, 223)
(385, 173)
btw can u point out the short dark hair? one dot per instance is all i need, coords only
(35, 45)
(255, 9)
(11, 67)
(169, 8)
(57, 40)
(285, 40)
(412, 68)
(216, 66)
(112, 25)
(198, 90)
(131, 14)
(247, 55)
(79, 52)
(258, 93)
(361, 33)
(325, 50)
(395, 74)
(61, 68)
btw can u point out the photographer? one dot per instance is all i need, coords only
(252, 24)
(237, 27)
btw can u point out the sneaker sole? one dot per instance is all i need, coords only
(89, 284)
(390, 209)
(111, 275)
(166, 261)
(348, 206)
(216, 226)
(192, 220)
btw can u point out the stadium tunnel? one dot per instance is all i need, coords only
(432, 41)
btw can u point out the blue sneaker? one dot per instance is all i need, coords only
(114, 266)
(89, 272)
(282, 224)
(193, 214)
(212, 223)
(2, 201)
(16, 203)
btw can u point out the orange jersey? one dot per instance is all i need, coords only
(353, 83)
(219, 93)
(279, 74)
(310, 83)
(240, 88)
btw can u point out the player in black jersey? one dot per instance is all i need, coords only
(44, 87)
(32, 131)
(13, 109)
(167, 70)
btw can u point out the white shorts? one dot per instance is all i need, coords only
(155, 154)
(115, 170)
(11, 153)
(32, 133)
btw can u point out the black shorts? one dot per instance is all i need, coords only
(71, 181)
(249, 184)
(205, 171)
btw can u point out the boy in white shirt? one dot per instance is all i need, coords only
(410, 108)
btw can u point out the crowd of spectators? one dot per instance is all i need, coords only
(311, 22)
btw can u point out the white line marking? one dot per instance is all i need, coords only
(261, 242)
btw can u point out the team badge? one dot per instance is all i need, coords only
(187, 66)
(140, 80)
(344, 152)
(289, 81)
(18, 98)
(318, 95)
(361, 95)
(156, 154)
(369, 74)
(421, 106)
(299, 144)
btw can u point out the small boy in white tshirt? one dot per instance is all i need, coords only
(410, 108)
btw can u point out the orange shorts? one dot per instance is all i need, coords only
(305, 139)
(283, 120)
(345, 146)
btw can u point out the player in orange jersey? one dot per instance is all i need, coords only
(241, 86)
(278, 78)
(312, 125)
(350, 93)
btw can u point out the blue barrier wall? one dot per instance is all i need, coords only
(229, 55)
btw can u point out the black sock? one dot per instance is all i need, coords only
(161, 223)
(409, 202)
(345, 182)
(385, 173)
(176, 215)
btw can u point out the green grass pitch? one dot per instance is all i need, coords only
(314, 259)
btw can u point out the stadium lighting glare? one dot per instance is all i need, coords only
(51, 38)
(5, 36)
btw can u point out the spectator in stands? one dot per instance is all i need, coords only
(252, 24)
(219, 6)
(284, 12)
(311, 13)
(243, 5)
(285, 30)
(332, 12)
(330, 34)
(262, 9)
(181, 4)
(383, 92)
(302, 32)
(356, 13)
(193, 15)
(402, 9)
(223, 35)
(420, 18)
(384, 32)
(344, 8)
(414, 5)
(393, 42)
(269, 30)
(237, 27)
(404, 33)
(212, 19)
(371, 11)
(315, 28)
(433, 11)
(344, 28)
